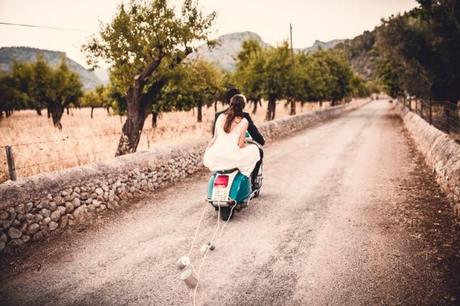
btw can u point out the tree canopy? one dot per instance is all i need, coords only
(36, 85)
(194, 84)
(279, 74)
(144, 43)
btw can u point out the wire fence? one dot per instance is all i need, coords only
(12, 159)
(444, 115)
(72, 149)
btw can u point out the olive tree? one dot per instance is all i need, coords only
(195, 84)
(143, 43)
(99, 97)
(34, 85)
(249, 72)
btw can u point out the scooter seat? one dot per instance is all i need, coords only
(227, 171)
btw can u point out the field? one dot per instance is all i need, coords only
(39, 147)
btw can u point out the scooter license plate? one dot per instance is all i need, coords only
(220, 195)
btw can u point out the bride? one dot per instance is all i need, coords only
(228, 150)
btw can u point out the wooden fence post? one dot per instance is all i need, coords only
(10, 160)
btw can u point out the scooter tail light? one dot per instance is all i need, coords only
(221, 181)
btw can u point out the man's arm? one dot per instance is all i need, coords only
(214, 122)
(252, 129)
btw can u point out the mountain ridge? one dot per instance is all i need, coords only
(228, 46)
(226, 50)
(53, 57)
(223, 54)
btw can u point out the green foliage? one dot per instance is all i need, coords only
(10, 98)
(35, 85)
(389, 76)
(146, 32)
(375, 86)
(249, 74)
(145, 43)
(117, 99)
(99, 97)
(359, 88)
(91, 99)
(267, 73)
(420, 51)
(66, 87)
(194, 84)
(277, 73)
(330, 76)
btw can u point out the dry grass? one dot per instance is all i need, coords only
(39, 147)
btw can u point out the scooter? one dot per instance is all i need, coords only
(230, 190)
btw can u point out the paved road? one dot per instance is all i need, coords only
(331, 227)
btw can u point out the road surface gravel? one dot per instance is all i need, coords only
(348, 215)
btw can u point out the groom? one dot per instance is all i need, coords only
(252, 129)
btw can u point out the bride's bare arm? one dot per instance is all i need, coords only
(242, 139)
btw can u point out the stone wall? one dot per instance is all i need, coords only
(36, 207)
(441, 152)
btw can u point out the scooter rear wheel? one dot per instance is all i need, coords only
(226, 213)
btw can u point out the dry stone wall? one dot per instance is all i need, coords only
(34, 208)
(441, 152)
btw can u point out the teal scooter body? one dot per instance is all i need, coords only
(240, 190)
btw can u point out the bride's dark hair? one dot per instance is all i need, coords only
(237, 103)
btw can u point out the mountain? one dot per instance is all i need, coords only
(321, 45)
(362, 53)
(103, 75)
(229, 45)
(226, 50)
(22, 54)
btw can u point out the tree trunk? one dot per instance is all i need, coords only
(154, 119)
(199, 116)
(320, 104)
(271, 108)
(67, 110)
(92, 109)
(254, 109)
(107, 108)
(48, 111)
(139, 104)
(57, 110)
(132, 128)
(215, 106)
(293, 108)
(39, 111)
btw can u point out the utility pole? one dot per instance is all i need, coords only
(291, 101)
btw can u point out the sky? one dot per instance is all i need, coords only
(311, 19)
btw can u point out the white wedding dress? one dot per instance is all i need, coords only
(225, 153)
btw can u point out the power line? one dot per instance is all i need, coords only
(39, 26)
